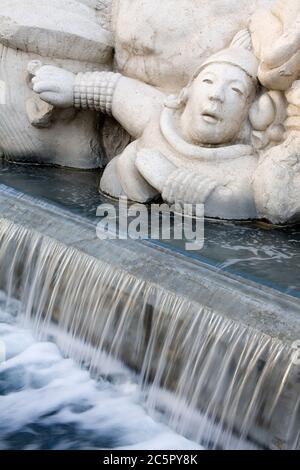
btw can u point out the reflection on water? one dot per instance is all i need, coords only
(270, 256)
(48, 402)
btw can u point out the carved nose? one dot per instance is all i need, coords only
(217, 95)
(217, 98)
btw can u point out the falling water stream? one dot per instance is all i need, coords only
(215, 382)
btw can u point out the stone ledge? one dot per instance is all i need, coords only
(262, 308)
(203, 293)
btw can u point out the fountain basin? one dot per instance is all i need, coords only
(171, 317)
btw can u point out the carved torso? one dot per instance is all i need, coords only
(224, 164)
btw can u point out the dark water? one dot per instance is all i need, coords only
(265, 254)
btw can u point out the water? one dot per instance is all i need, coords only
(268, 255)
(215, 382)
(48, 402)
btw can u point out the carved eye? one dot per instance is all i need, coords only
(208, 80)
(238, 91)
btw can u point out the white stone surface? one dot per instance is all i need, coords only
(217, 140)
(56, 32)
(193, 149)
(163, 42)
(65, 29)
(276, 39)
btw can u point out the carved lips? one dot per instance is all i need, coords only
(211, 117)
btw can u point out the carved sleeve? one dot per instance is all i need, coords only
(95, 90)
(187, 187)
(130, 102)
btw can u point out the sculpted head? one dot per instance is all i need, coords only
(219, 97)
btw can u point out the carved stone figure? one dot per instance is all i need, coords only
(191, 148)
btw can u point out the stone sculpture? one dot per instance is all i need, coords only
(155, 55)
(79, 35)
(54, 32)
(191, 148)
(276, 38)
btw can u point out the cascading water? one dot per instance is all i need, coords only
(60, 407)
(217, 382)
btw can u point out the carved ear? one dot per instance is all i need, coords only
(177, 101)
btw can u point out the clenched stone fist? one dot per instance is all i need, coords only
(53, 84)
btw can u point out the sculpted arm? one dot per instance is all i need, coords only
(227, 199)
(130, 102)
(278, 48)
(134, 104)
(269, 45)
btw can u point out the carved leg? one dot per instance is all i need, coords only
(122, 178)
(110, 182)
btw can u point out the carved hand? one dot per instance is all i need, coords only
(54, 85)
(186, 187)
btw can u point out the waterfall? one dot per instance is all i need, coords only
(218, 382)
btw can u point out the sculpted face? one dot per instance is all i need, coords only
(218, 104)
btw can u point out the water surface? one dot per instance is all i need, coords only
(265, 254)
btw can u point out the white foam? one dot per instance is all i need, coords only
(43, 391)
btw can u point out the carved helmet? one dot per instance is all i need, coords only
(236, 56)
(239, 54)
